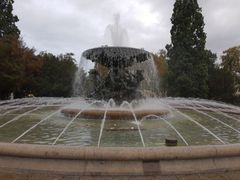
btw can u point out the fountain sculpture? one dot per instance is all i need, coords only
(120, 83)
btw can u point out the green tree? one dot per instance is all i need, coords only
(221, 81)
(187, 58)
(221, 85)
(7, 19)
(56, 76)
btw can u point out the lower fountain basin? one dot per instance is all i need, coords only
(54, 121)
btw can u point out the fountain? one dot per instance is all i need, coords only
(121, 80)
(116, 124)
(120, 83)
(115, 104)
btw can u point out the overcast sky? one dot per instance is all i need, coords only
(60, 26)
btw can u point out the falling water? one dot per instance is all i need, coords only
(217, 111)
(79, 84)
(168, 123)
(12, 110)
(19, 116)
(194, 121)
(149, 87)
(73, 119)
(135, 118)
(42, 120)
(110, 102)
(48, 124)
(211, 117)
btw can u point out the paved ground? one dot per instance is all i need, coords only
(212, 176)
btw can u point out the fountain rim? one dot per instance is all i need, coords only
(116, 47)
(126, 53)
(118, 153)
(113, 114)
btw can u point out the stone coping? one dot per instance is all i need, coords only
(113, 114)
(118, 153)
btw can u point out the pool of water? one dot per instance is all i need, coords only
(190, 121)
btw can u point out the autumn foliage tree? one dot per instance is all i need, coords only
(22, 72)
(231, 64)
(18, 67)
(231, 59)
(162, 68)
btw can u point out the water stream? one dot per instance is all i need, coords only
(111, 101)
(136, 120)
(191, 119)
(211, 117)
(191, 122)
(73, 119)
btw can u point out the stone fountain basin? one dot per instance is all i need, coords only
(114, 55)
(113, 114)
(23, 161)
(31, 161)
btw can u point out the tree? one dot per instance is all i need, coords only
(56, 76)
(187, 58)
(221, 81)
(231, 64)
(18, 67)
(162, 68)
(7, 19)
(221, 85)
(231, 59)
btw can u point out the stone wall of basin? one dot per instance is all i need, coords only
(67, 162)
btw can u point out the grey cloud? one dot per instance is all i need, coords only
(222, 23)
(61, 26)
